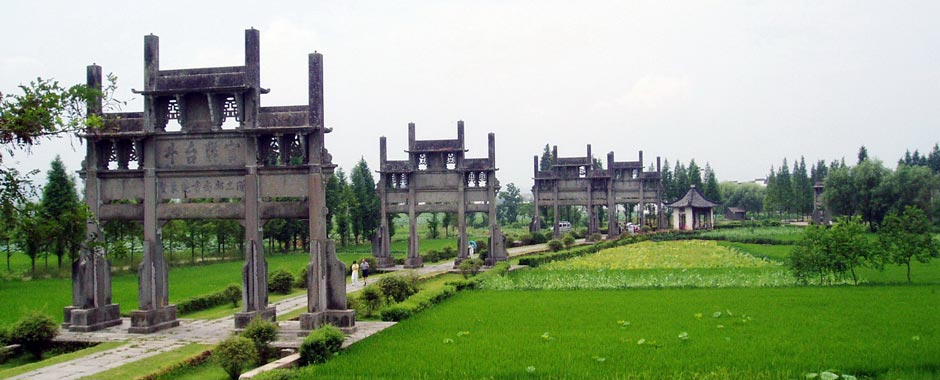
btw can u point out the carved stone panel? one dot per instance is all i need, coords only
(210, 152)
(201, 187)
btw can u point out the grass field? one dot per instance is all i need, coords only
(50, 295)
(778, 333)
(782, 235)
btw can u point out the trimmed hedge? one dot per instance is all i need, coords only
(427, 298)
(232, 294)
(191, 362)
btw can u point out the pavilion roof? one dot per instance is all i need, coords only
(693, 198)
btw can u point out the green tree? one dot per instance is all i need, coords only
(850, 247)
(669, 186)
(802, 189)
(32, 232)
(545, 163)
(695, 175)
(447, 221)
(508, 210)
(433, 224)
(872, 200)
(365, 215)
(682, 180)
(909, 186)
(63, 212)
(907, 237)
(784, 189)
(711, 189)
(933, 159)
(771, 200)
(333, 194)
(862, 154)
(839, 192)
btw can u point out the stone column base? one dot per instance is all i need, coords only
(414, 262)
(151, 321)
(85, 320)
(243, 318)
(344, 319)
(385, 262)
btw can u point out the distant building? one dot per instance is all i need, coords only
(734, 213)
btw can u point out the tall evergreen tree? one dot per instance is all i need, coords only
(366, 215)
(784, 188)
(711, 190)
(333, 194)
(61, 208)
(695, 175)
(668, 182)
(771, 199)
(933, 159)
(681, 181)
(545, 163)
(862, 154)
(802, 189)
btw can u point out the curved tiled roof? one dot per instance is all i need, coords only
(693, 198)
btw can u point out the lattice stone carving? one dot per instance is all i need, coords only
(230, 108)
(422, 161)
(172, 109)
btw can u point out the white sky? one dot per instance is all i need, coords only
(739, 84)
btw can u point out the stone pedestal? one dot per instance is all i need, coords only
(243, 318)
(414, 262)
(344, 319)
(85, 320)
(149, 321)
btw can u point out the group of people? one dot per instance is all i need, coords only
(357, 266)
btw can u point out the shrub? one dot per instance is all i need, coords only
(278, 374)
(371, 299)
(396, 288)
(301, 281)
(539, 238)
(555, 245)
(395, 313)
(568, 240)
(233, 294)
(320, 345)
(261, 333)
(281, 282)
(580, 233)
(526, 239)
(34, 333)
(4, 336)
(431, 256)
(233, 354)
(470, 267)
(595, 237)
(448, 252)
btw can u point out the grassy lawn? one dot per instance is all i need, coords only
(783, 234)
(152, 364)
(14, 368)
(778, 333)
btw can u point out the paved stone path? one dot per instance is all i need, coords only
(197, 331)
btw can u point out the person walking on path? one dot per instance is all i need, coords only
(365, 271)
(355, 273)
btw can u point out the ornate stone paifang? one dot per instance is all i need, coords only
(437, 177)
(575, 181)
(274, 165)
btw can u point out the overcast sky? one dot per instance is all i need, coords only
(737, 84)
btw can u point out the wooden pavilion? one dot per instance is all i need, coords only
(693, 212)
